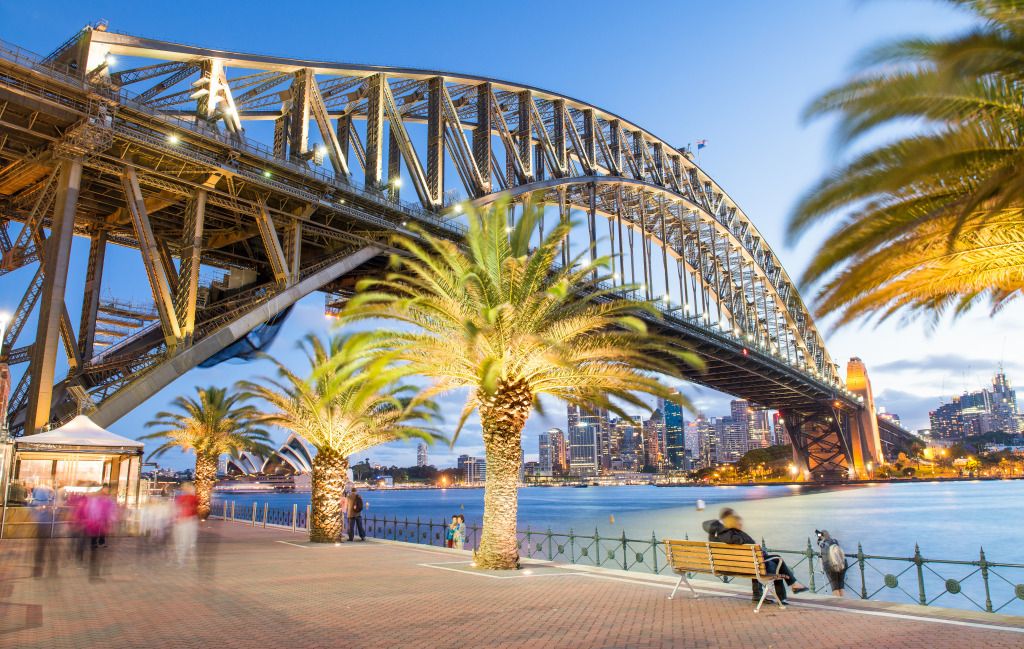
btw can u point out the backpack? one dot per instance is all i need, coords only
(832, 556)
(357, 504)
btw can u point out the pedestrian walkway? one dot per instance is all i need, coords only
(250, 587)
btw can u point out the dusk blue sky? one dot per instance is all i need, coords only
(737, 74)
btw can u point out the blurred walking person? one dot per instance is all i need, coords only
(186, 524)
(42, 510)
(99, 513)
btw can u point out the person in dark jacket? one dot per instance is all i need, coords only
(728, 528)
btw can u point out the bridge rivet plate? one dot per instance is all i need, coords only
(891, 581)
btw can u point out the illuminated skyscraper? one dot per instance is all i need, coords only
(675, 442)
(552, 450)
(421, 454)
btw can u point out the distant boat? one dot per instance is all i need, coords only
(582, 486)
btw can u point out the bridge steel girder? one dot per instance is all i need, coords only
(121, 403)
(588, 151)
(52, 310)
(821, 442)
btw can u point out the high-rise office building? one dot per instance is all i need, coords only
(691, 443)
(421, 454)
(947, 421)
(598, 419)
(781, 436)
(760, 432)
(654, 436)
(675, 440)
(1005, 417)
(583, 458)
(708, 444)
(552, 450)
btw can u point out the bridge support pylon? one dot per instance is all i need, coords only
(865, 441)
(821, 452)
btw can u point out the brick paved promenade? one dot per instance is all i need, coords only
(265, 588)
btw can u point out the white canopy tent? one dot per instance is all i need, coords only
(80, 431)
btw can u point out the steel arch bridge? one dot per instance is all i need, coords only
(140, 143)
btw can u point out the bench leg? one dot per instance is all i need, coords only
(767, 586)
(682, 578)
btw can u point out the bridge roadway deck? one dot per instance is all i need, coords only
(265, 588)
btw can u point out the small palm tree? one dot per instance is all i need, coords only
(935, 218)
(503, 321)
(351, 400)
(210, 425)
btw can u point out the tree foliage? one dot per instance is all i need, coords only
(934, 219)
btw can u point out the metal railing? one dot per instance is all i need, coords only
(978, 584)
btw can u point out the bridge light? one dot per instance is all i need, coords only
(615, 275)
(110, 59)
(745, 352)
(172, 139)
(266, 173)
(397, 182)
(458, 208)
(643, 287)
(665, 297)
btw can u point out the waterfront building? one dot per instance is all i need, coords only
(473, 469)
(675, 438)
(222, 465)
(421, 454)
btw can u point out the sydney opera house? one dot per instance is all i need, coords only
(294, 457)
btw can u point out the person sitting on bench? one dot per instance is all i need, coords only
(728, 528)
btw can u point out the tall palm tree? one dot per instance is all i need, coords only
(503, 321)
(212, 424)
(351, 400)
(935, 218)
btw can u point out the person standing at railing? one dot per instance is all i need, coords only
(449, 532)
(833, 562)
(344, 514)
(459, 533)
(355, 515)
(728, 528)
(186, 524)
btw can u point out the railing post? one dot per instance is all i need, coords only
(308, 511)
(860, 560)
(597, 547)
(430, 531)
(254, 514)
(265, 505)
(295, 514)
(476, 536)
(810, 563)
(625, 565)
(654, 550)
(984, 576)
(550, 556)
(232, 511)
(572, 547)
(527, 540)
(918, 561)
(419, 539)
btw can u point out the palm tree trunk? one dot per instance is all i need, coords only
(502, 419)
(328, 484)
(206, 476)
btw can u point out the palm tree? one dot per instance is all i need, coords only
(935, 218)
(504, 322)
(350, 401)
(210, 425)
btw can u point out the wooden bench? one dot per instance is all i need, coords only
(721, 560)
